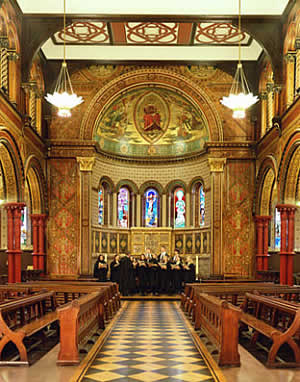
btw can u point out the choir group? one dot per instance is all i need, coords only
(150, 273)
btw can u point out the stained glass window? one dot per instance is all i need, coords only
(277, 229)
(123, 208)
(179, 205)
(24, 228)
(151, 208)
(101, 206)
(202, 205)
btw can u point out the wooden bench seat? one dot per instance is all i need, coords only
(219, 320)
(276, 319)
(23, 318)
(78, 321)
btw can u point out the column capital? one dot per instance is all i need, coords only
(289, 57)
(86, 163)
(4, 43)
(270, 87)
(216, 164)
(262, 218)
(13, 55)
(286, 207)
(14, 206)
(263, 95)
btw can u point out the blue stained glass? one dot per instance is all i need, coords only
(151, 208)
(101, 206)
(202, 205)
(179, 202)
(123, 208)
(277, 229)
(24, 227)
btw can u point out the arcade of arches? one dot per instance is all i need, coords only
(151, 157)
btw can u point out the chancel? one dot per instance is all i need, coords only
(149, 190)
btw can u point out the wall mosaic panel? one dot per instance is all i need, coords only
(63, 224)
(238, 226)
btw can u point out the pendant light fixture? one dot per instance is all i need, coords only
(240, 98)
(63, 97)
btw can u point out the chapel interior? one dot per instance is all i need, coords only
(148, 158)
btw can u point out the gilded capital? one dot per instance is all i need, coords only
(86, 163)
(217, 164)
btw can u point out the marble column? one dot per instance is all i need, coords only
(290, 245)
(14, 211)
(41, 234)
(290, 70)
(85, 166)
(283, 243)
(217, 166)
(259, 243)
(114, 209)
(164, 210)
(188, 209)
(35, 243)
(138, 210)
(266, 242)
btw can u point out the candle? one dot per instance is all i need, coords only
(105, 257)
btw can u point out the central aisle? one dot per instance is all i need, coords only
(149, 342)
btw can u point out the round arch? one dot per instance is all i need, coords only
(151, 76)
(194, 181)
(269, 163)
(106, 179)
(170, 187)
(37, 183)
(127, 183)
(151, 184)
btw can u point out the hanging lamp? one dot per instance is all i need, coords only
(64, 97)
(240, 98)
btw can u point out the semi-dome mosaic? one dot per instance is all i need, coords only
(151, 120)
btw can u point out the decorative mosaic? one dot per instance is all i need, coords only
(151, 121)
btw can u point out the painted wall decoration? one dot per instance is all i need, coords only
(179, 208)
(151, 208)
(63, 223)
(238, 226)
(101, 206)
(151, 121)
(123, 208)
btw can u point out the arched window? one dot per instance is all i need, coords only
(123, 208)
(202, 205)
(179, 208)
(24, 227)
(151, 200)
(101, 206)
(277, 229)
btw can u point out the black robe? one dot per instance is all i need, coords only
(153, 275)
(100, 273)
(142, 275)
(115, 272)
(164, 278)
(125, 274)
(190, 274)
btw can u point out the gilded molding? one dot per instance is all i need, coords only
(216, 164)
(86, 163)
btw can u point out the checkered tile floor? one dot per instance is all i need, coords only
(149, 343)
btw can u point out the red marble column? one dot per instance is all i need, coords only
(14, 252)
(259, 243)
(283, 243)
(290, 244)
(266, 220)
(35, 243)
(10, 242)
(18, 252)
(41, 230)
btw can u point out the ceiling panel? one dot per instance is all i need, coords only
(155, 7)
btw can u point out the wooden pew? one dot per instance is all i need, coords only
(68, 291)
(219, 320)
(23, 318)
(78, 320)
(276, 319)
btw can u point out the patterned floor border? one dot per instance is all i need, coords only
(211, 363)
(88, 360)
